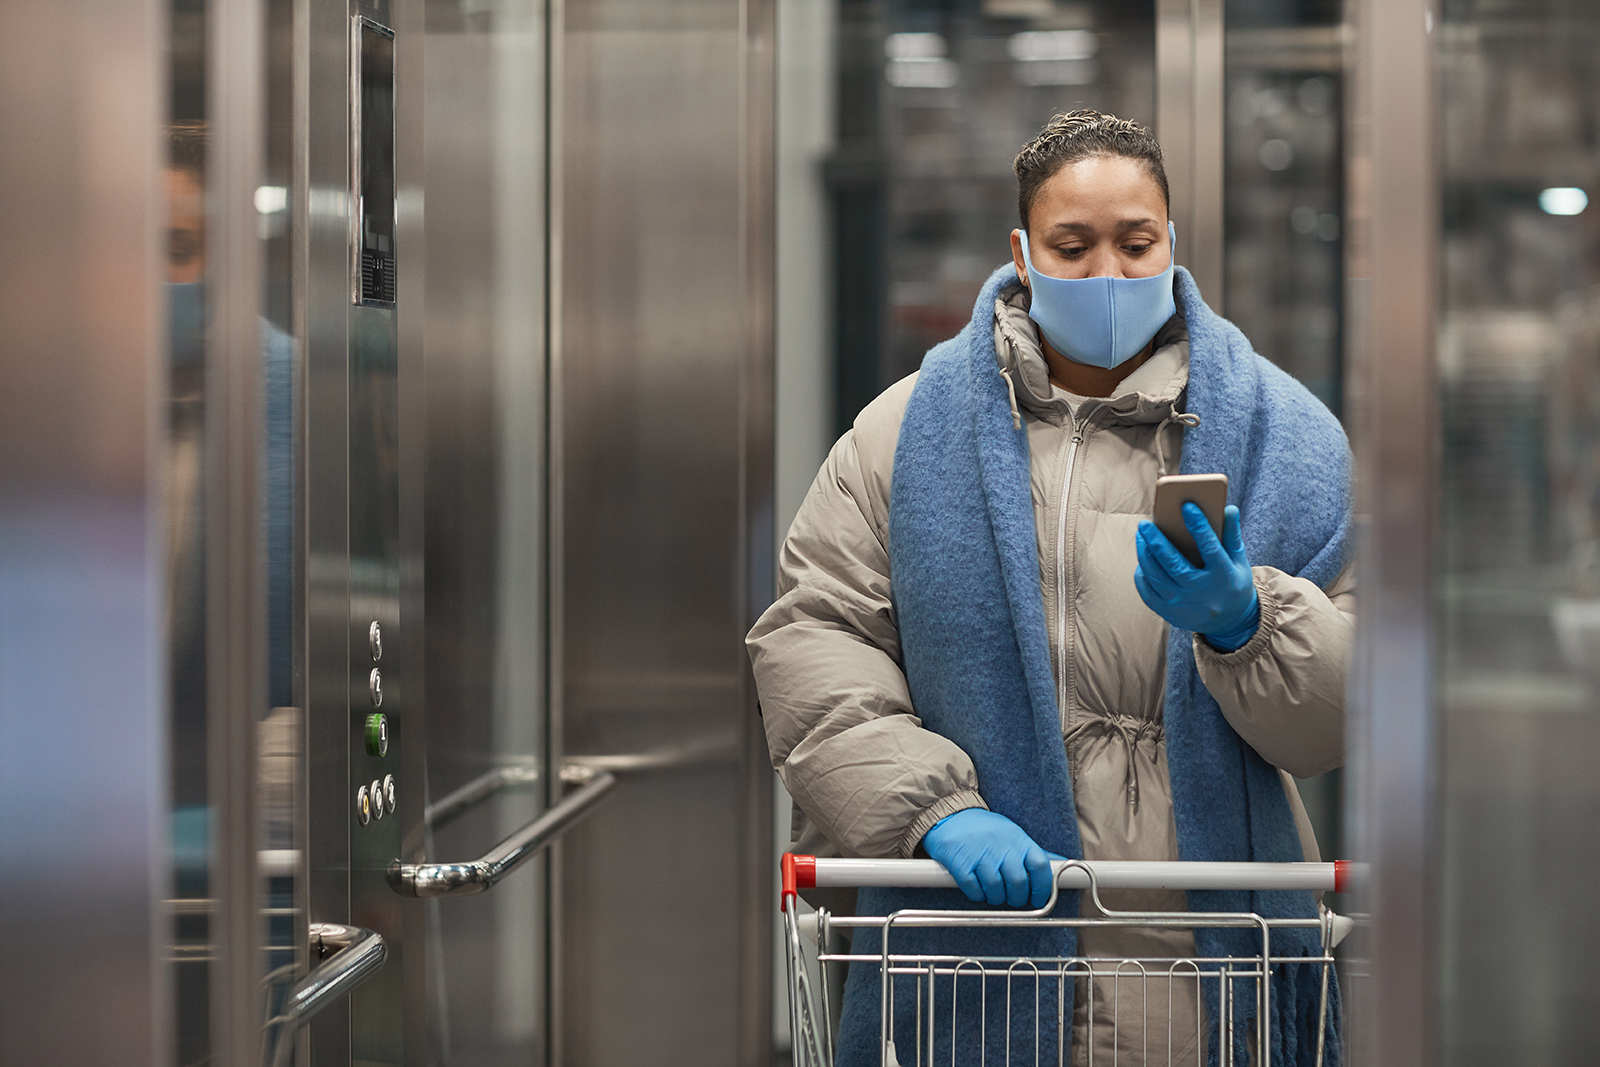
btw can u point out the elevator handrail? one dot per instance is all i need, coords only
(577, 770)
(474, 876)
(359, 954)
(481, 788)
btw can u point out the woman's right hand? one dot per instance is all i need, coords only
(991, 858)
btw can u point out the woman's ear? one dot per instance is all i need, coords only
(1016, 257)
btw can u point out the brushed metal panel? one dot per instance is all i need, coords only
(83, 659)
(373, 499)
(662, 390)
(483, 327)
(323, 259)
(234, 549)
(364, 415)
(1393, 265)
(411, 79)
(1190, 117)
(758, 518)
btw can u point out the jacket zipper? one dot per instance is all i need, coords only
(1078, 426)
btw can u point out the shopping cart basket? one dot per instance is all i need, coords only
(1015, 990)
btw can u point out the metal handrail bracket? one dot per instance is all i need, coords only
(459, 879)
(357, 954)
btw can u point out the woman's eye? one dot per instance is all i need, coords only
(1076, 250)
(1137, 250)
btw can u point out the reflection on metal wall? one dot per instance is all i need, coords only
(1392, 242)
(662, 508)
(1474, 282)
(1518, 602)
(83, 838)
(483, 133)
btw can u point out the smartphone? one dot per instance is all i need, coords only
(1209, 491)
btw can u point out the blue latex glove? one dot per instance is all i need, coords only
(993, 859)
(1218, 600)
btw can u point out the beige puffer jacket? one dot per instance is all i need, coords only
(868, 780)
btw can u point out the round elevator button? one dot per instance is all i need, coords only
(363, 806)
(375, 640)
(376, 734)
(388, 792)
(375, 687)
(376, 791)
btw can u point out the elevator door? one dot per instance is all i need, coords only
(527, 567)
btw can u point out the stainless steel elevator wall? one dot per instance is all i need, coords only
(483, 334)
(83, 713)
(663, 514)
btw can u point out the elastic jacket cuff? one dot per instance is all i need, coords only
(939, 809)
(1259, 642)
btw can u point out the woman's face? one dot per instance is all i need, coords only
(1101, 217)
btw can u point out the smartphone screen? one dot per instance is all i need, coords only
(1209, 491)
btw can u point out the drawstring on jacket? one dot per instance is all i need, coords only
(1011, 387)
(1183, 418)
(1131, 730)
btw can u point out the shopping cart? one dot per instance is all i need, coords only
(1028, 995)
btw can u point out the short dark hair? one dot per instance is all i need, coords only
(1076, 136)
(186, 148)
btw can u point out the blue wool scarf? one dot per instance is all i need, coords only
(964, 567)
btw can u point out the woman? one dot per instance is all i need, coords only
(982, 650)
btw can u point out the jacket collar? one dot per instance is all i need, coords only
(1149, 394)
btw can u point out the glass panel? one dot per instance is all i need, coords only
(484, 147)
(1518, 601)
(935, 100)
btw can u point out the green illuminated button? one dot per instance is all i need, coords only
(377, 734)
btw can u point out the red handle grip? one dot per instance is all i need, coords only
(799, 872)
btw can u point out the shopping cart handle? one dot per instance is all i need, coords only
(807, 872)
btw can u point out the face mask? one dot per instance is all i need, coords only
(1100, 321)
(186, 322)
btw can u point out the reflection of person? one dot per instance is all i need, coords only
(186, 244)
(982, 651)
(186, 208)
(186, 268)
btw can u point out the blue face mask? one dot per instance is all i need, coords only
(1100, 321)
(186, 322)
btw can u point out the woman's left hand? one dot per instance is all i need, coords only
(1217, 600)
